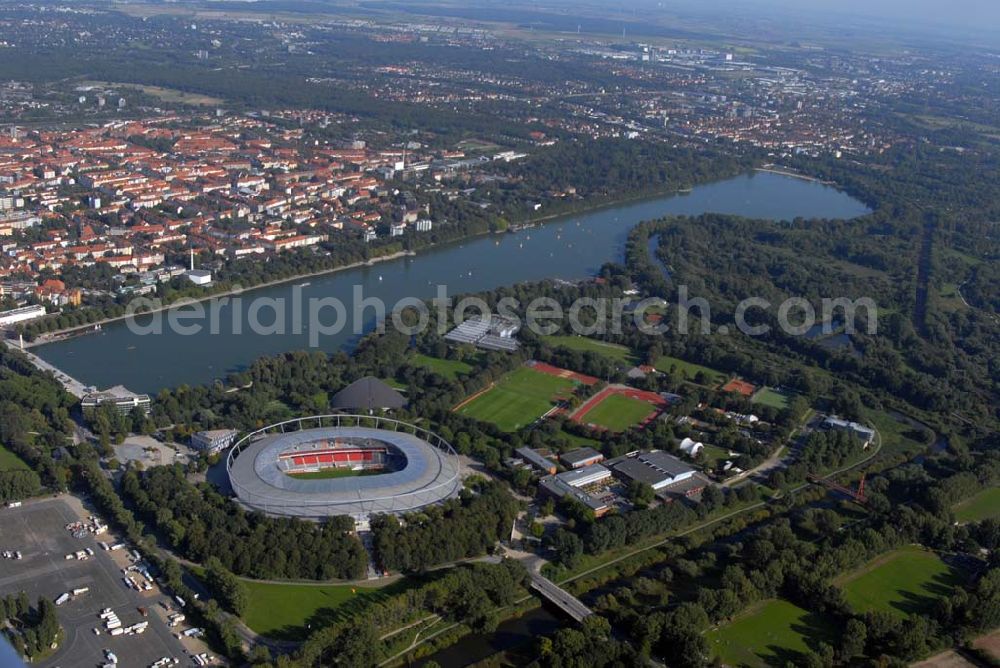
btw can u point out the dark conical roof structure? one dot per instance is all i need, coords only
(367, 394)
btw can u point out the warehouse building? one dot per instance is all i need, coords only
(657, 469)
(581, 457)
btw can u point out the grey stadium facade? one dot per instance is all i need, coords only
(431, 472)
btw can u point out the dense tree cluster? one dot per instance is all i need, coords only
(18, 484)
(200, 523)
(231, 592)
(34, 422)
(30, 631)
(629, 528)
(466, 527)
(591, 646)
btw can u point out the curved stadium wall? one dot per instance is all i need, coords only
(431, 472)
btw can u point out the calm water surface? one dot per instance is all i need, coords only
(572, 247)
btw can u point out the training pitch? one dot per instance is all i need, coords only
(518, 399)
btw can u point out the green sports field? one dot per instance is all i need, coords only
(689, 369)
(9, 461)
(617, 413)
(770, 633)
(903, 581)
(446, 368)
(518, 399)
(769, 397)
(982, 506)
(584, 344)
(283, 611)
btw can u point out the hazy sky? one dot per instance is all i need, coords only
(980, 15)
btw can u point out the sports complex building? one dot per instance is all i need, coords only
(355, 465)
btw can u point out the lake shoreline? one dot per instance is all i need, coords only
(573, 249)
(83, 330)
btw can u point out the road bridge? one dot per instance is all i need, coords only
(561, 598)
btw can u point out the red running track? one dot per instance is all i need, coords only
(581, 378)
(652, 398)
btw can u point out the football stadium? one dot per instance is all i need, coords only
(355, 465)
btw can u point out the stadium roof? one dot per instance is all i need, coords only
(429, 476)
(368, 394)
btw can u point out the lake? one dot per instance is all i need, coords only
(571, 247)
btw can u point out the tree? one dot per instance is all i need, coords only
(641, 493)
(232, 592)
(852, 640)
(567, 546)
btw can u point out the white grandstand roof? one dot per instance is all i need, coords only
(430, 475)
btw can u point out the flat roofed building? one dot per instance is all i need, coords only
(490, 332)
(199, 276)
(122, 398)
(537, 460)
(22, 314)
(213, 440)
(559, 489)
(581, 457)
(657, 469)
(865, 434)
(586, 476)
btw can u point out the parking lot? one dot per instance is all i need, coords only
(38, 531)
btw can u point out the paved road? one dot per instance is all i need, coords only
(566, 602)
(73, 386)
(37, 529)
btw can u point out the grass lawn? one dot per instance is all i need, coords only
(584, 344)
(618, 412)
(689, 369)
(949, 298)
(771, 633)
(982, 506)
(518, 399)
(712, 454)
(897, 438)
(903, 581)
(9, 461)
(446, 368)
(333, 473)
(580, 441)
(774, 398)
(284, 611)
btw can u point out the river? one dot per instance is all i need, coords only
(571, 247)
